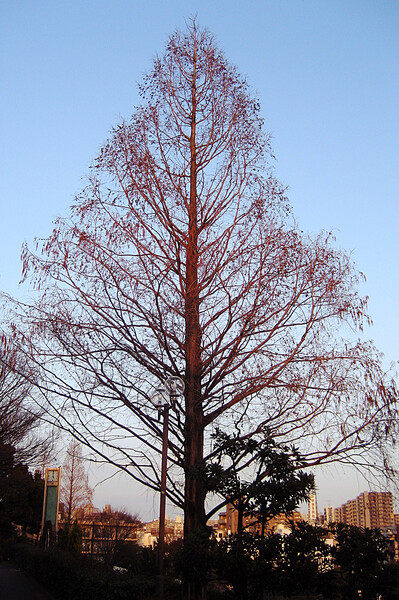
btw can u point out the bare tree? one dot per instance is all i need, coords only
(22, 437)
(181, 257)
(75, 491)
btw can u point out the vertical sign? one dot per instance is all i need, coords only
(51, 498)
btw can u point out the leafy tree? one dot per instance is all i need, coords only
(21, 442)
(137, 559)
(304, 560)
(296, 563)
(193, 561)
(181, 258)
(361, 556)
(21, 500)
(75, 491)
(285, 565)
(261, 480)
(236, 562)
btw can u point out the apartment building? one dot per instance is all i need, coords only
(313, 514)
(371, 509)
(329, 514)
(149, 532)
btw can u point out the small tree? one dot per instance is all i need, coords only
(75, 491)
(23, 442)
(70, 537)
(305, 559)
(298, 562)
(259, 477)
(236, 562)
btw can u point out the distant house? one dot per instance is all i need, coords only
(149, 532)
(228, 523)
(102, 531)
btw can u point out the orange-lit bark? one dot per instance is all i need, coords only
(195, 492)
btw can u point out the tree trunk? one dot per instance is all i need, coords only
(194, 424)
(195, 488)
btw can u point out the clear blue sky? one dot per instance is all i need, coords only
(326, 73)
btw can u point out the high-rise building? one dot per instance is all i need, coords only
(329, 514)
(312, 508)
(371, 509)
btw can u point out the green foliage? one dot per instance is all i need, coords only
(262, 478)
(70, 537)
(247, 567)
(302, 565)
(390, 577)
(305, 560)
(193, 558)
(21, 496)
(136, 559)
(361, 556)
(7, 452)
(237, 561)
(297, 563)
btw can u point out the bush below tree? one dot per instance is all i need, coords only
(298, 565)
(69, 576)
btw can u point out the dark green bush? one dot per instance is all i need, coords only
(72, 577)
(70, 537)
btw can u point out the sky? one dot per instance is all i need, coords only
(326, 74)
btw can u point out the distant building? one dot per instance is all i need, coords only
(221, 529)
(329, 514)
(228, 522)
(340, 514)
(90, 510)
(149, 532)
(373, 510)
(101, 531)
(312, 508)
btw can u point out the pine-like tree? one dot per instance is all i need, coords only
(75, 491)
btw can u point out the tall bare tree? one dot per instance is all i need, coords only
(181, 258)
(75, 491)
